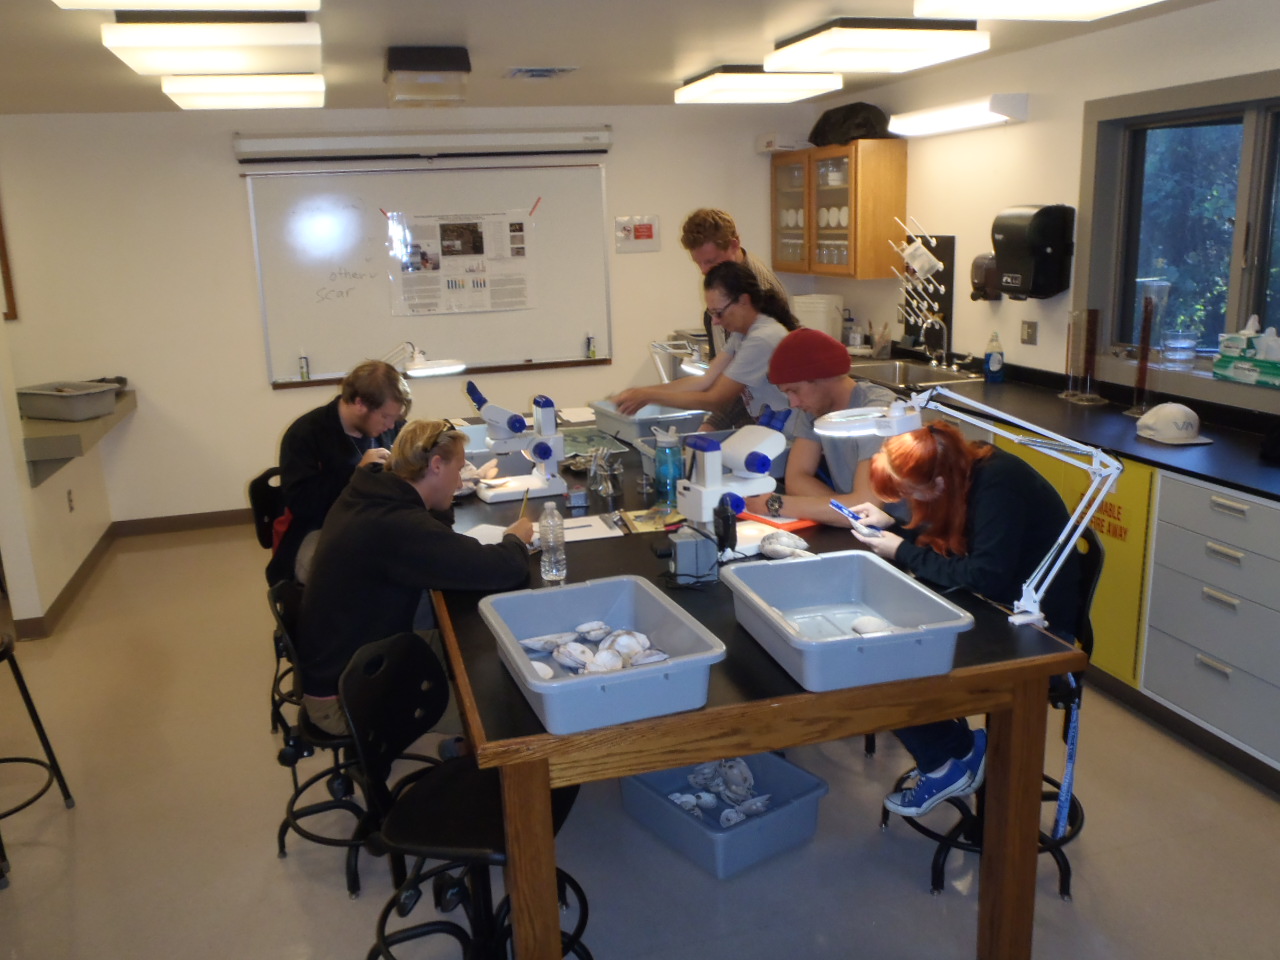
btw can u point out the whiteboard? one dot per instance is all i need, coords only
(523, 265)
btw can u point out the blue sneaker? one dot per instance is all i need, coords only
(931, 789)
(976, 759)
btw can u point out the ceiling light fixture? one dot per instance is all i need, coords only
(245, 92)
(970, 115)
(188, 4)
(427, 76)
(1028, 9)
(739, 83)
(878, 45)
(158, 49)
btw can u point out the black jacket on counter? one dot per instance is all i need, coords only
(380, 548)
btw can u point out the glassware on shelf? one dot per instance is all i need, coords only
(1081, 353)
(1153, 298)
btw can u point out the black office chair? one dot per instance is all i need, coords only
(1068, 813)
(49, 763)
(266, 500)
(302, 739)
(447, 817)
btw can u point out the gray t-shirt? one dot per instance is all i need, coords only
(750, 364)
(843, 454)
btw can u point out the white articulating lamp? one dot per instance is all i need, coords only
(416, 364)
(905, 416)
(507, 432)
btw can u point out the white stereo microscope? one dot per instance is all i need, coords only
(507, 433)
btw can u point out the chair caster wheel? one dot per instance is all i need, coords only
(340, 787)
(936, 893)
(1066, 897)
(281, 855)
(287, 757)
(407, 900)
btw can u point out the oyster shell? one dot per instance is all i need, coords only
(651, 655)
(573, 655)
(731, 816)
(547, 642)
(626, 642)
(756, 805)
(593, 630)
(605, 661)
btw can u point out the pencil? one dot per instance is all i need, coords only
(523, 502)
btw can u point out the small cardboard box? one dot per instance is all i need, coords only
(569, 702)
(790, 821)
(67, 400)
(803, 612)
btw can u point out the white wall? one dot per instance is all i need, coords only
(130, 242)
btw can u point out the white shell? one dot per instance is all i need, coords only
(542, 670)
(731, 816)
(626, 642)
(868, 623)
(547, 642)
(652, 655)
(573, 655)
(593, 630)
(606, 660)
(707, 801)
(706, 775)
(739, 783)
(755, 805)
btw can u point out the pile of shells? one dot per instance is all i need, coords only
(595, 647)
(730, 781)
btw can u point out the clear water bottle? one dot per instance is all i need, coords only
(555, 566)
(668, 467)
(993, 366)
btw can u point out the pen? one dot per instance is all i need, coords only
(864, 529)
(523, 502)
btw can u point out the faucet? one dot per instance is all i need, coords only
(939, 358)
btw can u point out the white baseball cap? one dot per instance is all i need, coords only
(1171, 423)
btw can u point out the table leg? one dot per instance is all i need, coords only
(1007, 878)
(531, 860)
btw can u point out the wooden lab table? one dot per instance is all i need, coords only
(753, 705)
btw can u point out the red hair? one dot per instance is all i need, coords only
(914, 461)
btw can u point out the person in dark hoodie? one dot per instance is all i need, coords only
(381, 546)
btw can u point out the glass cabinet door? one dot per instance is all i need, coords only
(832, 214)
(791, 220)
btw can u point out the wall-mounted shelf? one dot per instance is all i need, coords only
(49, 444)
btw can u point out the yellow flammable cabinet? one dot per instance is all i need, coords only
(1123, 524)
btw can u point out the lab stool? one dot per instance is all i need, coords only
(50, 763)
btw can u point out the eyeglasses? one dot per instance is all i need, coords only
(716, 314)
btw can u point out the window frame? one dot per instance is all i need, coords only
(1105, 198)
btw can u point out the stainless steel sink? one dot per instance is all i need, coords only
(908, 373)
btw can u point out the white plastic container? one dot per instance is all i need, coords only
(67, 400)
(570, 703)
(790, 821)
(637, 426)
(802, 611)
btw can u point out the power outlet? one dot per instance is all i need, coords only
(1029, 331)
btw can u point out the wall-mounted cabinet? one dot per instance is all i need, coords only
(834, 209)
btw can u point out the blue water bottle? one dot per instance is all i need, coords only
(668, 467)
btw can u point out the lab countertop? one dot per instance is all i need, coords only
(1231, 460)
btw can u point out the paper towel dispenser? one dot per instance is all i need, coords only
(1033, 247)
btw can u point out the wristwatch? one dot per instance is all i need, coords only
(774, 504)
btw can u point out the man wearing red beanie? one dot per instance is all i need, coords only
(812, 369)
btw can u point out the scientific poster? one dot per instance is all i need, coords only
(459, 263)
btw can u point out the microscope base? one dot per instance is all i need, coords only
(513, 488)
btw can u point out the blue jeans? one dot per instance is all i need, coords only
(933, 744)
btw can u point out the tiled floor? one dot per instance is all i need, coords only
(154, 692)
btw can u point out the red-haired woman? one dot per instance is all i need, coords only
(981, 519)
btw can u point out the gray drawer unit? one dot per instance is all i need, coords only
(1221, 624)
(1219, 564)
(1242, 521)
(1214, 691)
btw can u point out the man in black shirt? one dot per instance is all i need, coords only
(322, 448)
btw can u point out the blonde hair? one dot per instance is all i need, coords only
(418, 442)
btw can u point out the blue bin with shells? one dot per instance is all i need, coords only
(600, 652)
(687, 813)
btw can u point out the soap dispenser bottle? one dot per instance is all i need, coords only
(993, 365)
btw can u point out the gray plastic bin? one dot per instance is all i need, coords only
(568, 702)
(630, 428)
(802, 611)
(790, 821)
(67, 400)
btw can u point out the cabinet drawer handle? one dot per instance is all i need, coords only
(1213, 664)
(1217, 596)
(1223, 505)
(1224, 553)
